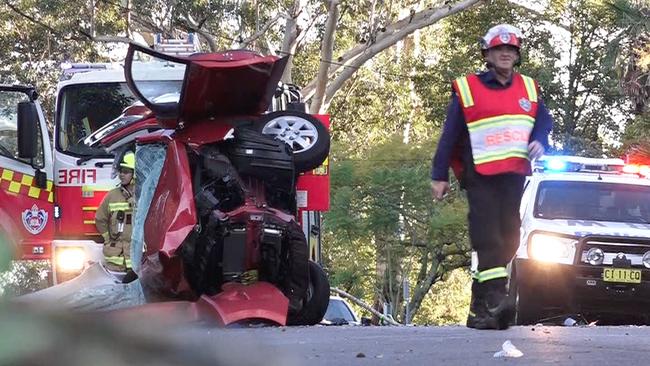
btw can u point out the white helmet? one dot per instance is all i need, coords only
(502, 34)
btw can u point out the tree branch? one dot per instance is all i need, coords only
(290, 39)
(354, 58)
(540, 16)
(364, 306)
(196, 27)
(260, 32)
(419, 20)
(37, 22)
(109, 39)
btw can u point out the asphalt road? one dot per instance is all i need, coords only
(454, 345)
(31, 337)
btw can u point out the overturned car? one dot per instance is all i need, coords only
(216, 172)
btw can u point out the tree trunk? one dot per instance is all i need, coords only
(128, 19)
(423, 287)
(327, 49)
(290, 40)
(92, 18)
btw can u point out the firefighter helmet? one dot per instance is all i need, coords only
(128, 161)
(502, 34)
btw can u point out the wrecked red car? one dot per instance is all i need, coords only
(216, 171)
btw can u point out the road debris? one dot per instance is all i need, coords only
(508, 350)
(569, 322)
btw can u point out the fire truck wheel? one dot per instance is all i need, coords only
(316, 300)
(306, 135)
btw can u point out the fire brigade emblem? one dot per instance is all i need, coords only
(504, 37)
(34, 219)
(525, 104)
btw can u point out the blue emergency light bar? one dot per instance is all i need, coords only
(561, 163)
(555, 164)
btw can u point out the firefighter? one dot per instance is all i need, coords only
(496, 122)
(114, 218)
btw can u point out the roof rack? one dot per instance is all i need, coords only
(183, 47)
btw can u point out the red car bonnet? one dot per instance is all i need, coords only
(231, 83)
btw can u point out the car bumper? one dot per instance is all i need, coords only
(581, 288)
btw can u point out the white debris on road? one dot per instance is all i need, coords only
(508, 350)
(569, 322)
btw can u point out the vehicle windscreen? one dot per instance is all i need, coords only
(338, 310)
(85, 108)
(593, 201)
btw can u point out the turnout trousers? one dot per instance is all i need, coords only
(493, 216)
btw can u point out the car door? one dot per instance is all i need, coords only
(26, 186)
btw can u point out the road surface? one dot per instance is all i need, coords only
(453, 345)
(78, 339)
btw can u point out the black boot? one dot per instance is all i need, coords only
(499, 305)
(479, 317)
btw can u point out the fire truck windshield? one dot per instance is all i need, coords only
(85, 108)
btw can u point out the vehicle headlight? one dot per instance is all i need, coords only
(550, 248)
(70, 259)
(595, 256)
(646, 260)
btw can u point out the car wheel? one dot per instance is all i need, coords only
(304, 133)
(528, 309)
(316, 300)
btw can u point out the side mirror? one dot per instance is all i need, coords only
(27, 130)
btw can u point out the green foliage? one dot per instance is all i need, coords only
(634, 51)
(37, 35)
(6, 254)
(385, 106)
(24, 277)
(448, 301)
(383, 225)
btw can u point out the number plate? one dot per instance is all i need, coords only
(622, 275)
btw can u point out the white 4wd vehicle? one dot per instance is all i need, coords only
(585, 241)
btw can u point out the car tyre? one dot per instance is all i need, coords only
(304, 133)
(316, 300)
(528, 308)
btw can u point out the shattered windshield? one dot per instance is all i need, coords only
(85, 108)
(593, 201)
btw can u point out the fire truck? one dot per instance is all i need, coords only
(49, 196)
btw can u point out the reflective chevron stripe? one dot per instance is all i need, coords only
(530, 88)
(492, 274)
(19, 183)
(465, 93)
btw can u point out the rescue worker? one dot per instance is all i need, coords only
(114, 218)
(496, 122)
